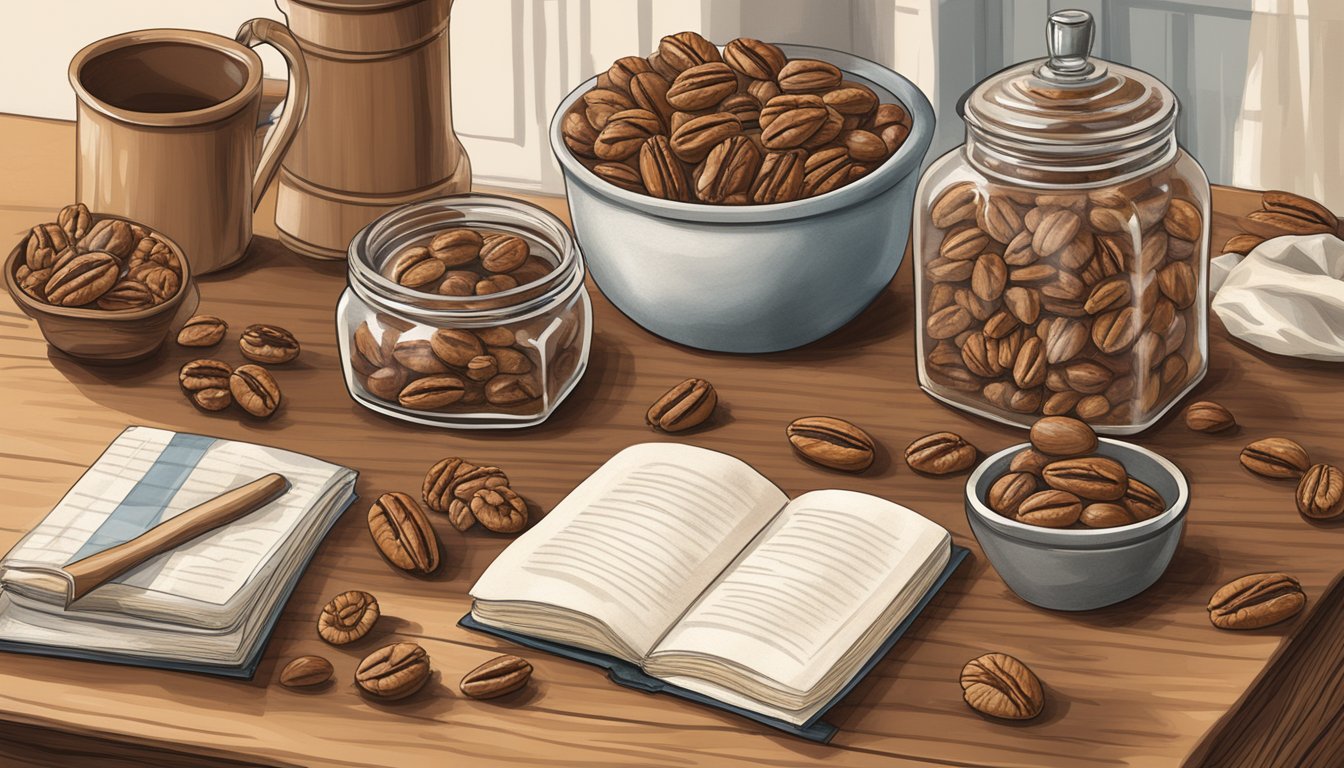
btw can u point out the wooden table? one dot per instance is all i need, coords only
(1134, 684)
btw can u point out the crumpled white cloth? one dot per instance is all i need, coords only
(1286, 296)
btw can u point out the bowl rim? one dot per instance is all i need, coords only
(907, 159)
(31, 305)
(1081, 538)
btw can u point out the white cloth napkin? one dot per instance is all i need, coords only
(1286, 296)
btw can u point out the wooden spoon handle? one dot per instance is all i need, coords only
(97, 569)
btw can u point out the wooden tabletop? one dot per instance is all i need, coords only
(1134, 684)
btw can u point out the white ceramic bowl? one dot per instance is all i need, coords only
(1081, 569)
(755, 278)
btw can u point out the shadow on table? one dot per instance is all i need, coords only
(262, 254)
(1192, 569)
(1056, 707)
(887, 317)
(147, 392)
(431, 701)
(877, 687)
(1298, 365)
(611, 369)
(224, 694)
(524, 698)
(268, 253)
(147, 389)
(593, 401)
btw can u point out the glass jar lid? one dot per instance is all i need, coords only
(1070, 113)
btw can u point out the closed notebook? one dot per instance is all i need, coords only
(692, 568)
(207, 605)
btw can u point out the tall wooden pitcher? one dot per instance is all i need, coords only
(379, 130)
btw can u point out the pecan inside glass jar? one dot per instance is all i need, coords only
(1071, 216)
(497, 339)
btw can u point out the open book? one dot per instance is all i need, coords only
(694, 567)
(207, 605)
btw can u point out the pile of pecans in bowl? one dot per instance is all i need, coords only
(111, 264)
(1060, 482)
(745, 126)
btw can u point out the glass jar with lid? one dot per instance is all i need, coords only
(1061, 252)
(467, 311)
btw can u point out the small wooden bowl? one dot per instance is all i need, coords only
(110, 337)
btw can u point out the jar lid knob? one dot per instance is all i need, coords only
(1069, 36)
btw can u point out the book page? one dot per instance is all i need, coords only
(149, 475)
(823, 572)
(639, 540)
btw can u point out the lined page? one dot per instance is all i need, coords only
(215, 567)
(210, 570)
(636, 543)
(93, 498)
(815, 581)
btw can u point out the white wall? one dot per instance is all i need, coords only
(39, 37)
(530, 53)
(513, 60)
(1197, 47)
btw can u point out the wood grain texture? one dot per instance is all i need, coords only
(1133, 684)
(1292, 715)
(29, 746)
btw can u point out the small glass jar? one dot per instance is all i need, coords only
(528, 346)
(1061, 252)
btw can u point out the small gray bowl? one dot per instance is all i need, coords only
(752, 278)
(1081, 569)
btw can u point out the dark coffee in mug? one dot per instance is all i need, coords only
(167, 133)
(163, 77)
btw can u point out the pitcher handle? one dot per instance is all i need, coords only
(277, 35)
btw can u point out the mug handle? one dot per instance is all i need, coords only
(277, 35)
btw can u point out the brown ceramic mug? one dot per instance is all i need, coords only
(166, 127)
